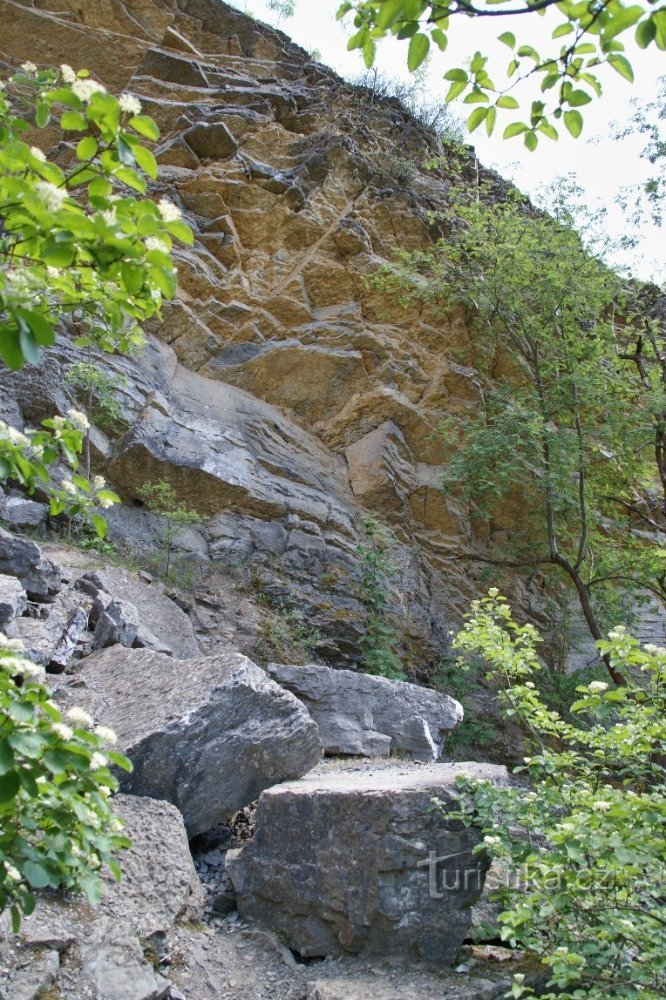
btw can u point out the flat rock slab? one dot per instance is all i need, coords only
(206, 734)
(85, 951)
(13, 599)
(363, 715)
(358, 860)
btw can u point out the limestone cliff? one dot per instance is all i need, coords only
(280, 395)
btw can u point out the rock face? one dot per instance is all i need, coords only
(207, 735)
(13, 600)
(350, 861)
(282, 396)
(84, 951)
(362, 715)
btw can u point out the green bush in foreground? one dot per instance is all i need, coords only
(57, 829)
(585, 838)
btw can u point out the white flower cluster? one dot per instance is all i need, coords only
(15, 645)
(21, 281)
(38, 154)
(97, 761)
(107, 735)
(154, 243)
(132, 105)
(63, 731)
(51, 195)
(655, 650)
(85, 89)
(13, 874)
(602, 806)
(99, 482)
(168, 211)
(69, 487)
(492, 841)
(80, 717)
(67, 73)
(619, 632)
(597, 686)
(78, 420)
(105, 502)
(28, 67)
(13, 436)
(109, 216)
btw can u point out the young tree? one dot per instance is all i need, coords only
(564, 437)
(161, 499)
(376, 567)
(583, 838)
(569, 70)
(97, 392)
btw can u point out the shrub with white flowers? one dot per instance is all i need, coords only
(585, 836)
(57, 829)
(75, 234)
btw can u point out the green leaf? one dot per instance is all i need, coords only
(131, 178)
(577, 98)
(622, 66)
(42, 114)
(531, 140)
(120, 760)
(100, 525)
(476, 117)
(549, 130)
(181, 231)
(455, 90)
(563, 29)
(624, 18)
(491, 118)
(508, 38)
(439, 38)
(28, 345)
(9, 786)
(146, 161)
(86, 148)
(59, 254)
(40, 326)
(573, 121)
(72, 121)
(507, 102)
(6, 757)
(133, 276)
(38, 875)
(145, 126)
(456, 75)
(419, 47)
(645, 33)
(26, 743)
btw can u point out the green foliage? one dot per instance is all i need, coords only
(75, 240)
(568, 70)
(56, 827)
(583, 838)
(283, 8)
(284, 633)
(434, 114)
(566, 438)
(160, 499)
(376, 567)
(649, 122)
(97, 391)
(31, 458)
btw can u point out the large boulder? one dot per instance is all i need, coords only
(19, 557)
(357, 860)
(363, 715)
(82, 951)
(206, 734)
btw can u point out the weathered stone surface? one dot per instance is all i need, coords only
(66, 644)
(381, 469)
(207, 735)
(161, 624)
(24, 559)
(359, 714)
(341, 861)
(118, 622)
(13, 599)
(98, 951)
(23, 513)
(211, 141)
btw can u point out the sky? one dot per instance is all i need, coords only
(599, 163)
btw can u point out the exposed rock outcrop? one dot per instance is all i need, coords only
(373, 867)
(23, 559)
(207, 735)
(361, 715)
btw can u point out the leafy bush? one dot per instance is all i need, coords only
(285, 633)
(375, 569)
(56, 826)
(584, 839)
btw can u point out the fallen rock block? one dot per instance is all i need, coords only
(66, 644)
(358, 860)
(118, 622)
(23, 513)
(104, 945)
(363, 715)
(13, 599)
(206, 734)
(24, 559)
